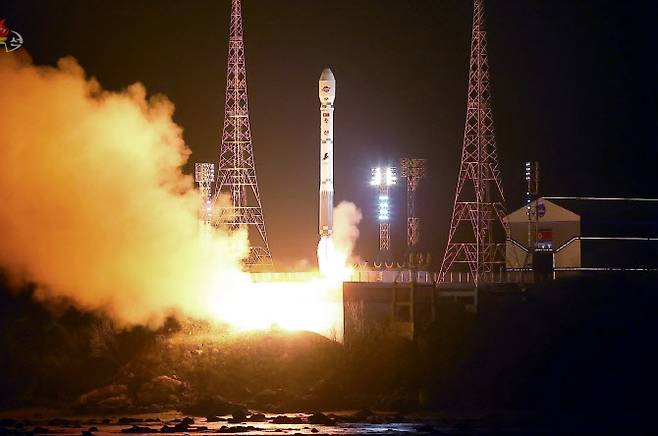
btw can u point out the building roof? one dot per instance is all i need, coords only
(611, 229)
(553, 213)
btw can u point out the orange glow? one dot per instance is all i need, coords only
(290, 301)
(310, 301)
(314, 305)
(114, 224)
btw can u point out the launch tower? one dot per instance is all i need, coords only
(477, 229)
(237, 170)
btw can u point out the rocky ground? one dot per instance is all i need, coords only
(338, 423)
(574, 354)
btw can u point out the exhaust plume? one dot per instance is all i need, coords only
(346, 231)
(95, 206)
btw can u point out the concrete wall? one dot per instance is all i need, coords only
(569, 257)
(386, 307)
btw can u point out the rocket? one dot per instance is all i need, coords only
(327, 93)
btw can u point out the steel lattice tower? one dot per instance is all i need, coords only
(237, 171)
(204, 175)
(413, 170)
(477, 228)
(384, 179)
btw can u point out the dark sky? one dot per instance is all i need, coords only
(574, 86)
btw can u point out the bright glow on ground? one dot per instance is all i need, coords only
(314, 304)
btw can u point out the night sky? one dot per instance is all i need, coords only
(574, 86)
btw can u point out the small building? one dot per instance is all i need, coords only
(555, 235)
(574, 235)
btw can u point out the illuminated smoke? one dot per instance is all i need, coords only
(97, 211)
(346, 220)
(94, 205)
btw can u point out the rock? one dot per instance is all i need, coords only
(138, 429)
(95, 396)
(187, 420)
(361, 415)
(129, 420)
(107, 421)
(161, 390)
(166, 429)
(283, 419)
(60, 422)
(257, 417)
(94, 428)
(40, 430)
(237, 429)
(321, 419)
(315, 430)
(240, 415)
(182, 426)
(87, 433)
(215, 405)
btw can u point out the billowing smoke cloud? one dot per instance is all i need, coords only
(94, 206)
(346, 220)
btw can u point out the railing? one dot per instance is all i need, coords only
(429, 277)
(284, 276)
(393, 276)
(515, 275)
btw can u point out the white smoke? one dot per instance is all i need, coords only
(346, 231)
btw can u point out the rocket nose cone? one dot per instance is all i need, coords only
(327, 75)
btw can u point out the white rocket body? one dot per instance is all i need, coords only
(327, 93)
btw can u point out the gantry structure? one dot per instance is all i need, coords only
(476, 241)
(236, 173)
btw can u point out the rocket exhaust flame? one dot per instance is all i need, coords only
(97, 211)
